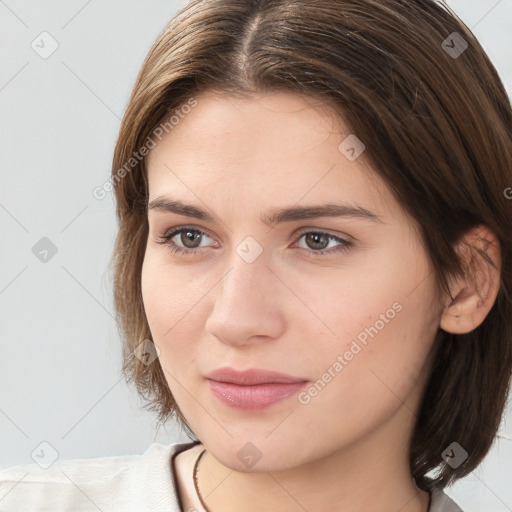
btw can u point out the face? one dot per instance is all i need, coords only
(344, 303)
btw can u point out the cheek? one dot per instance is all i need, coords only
(374, 333)
(166, 292)
(173, 303)
(170, 316)
(164, 305)
(377, 356)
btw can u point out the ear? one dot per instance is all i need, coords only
(473, 296)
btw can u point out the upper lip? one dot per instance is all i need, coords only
(251, 376)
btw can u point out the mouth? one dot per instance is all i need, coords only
(252, 389)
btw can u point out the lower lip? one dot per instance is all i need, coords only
(258, 396)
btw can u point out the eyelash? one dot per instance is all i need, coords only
(166, 240)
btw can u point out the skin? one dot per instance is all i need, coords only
(291, 312)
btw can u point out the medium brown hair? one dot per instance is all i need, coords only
(437, 128)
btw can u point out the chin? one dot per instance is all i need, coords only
(259, 455)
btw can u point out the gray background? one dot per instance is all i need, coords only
(60, 358)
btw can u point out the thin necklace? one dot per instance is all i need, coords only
(196, 485)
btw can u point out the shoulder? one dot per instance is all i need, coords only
(441, 502)
(127, 482)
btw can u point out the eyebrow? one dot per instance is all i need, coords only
(276, 216)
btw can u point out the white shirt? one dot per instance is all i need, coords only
(127, 483)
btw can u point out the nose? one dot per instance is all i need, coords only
(247, 305)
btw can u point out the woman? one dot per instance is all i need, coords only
(313, 266)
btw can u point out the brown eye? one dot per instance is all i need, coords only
(318, 241)
(187, 240)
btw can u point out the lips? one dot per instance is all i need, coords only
(252, 389)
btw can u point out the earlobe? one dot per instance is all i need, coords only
(473, 296)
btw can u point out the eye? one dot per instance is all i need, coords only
(190, 240)
(319, 239)
(189, 236)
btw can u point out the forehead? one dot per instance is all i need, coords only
(220, 120)
(277, 146)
